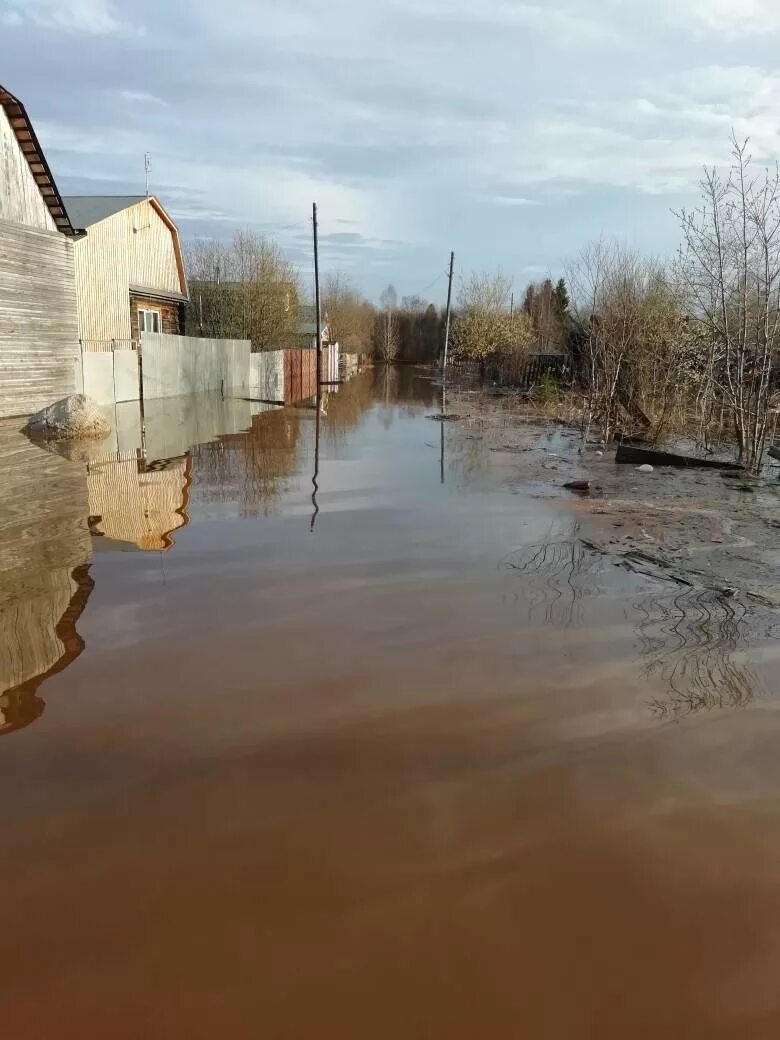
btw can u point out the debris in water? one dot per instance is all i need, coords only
(636, 453)
(583, 486)
(647, 468)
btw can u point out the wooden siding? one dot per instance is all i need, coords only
(151, 249)
(20, 199)
(103, 281)
(134, 247)
(38, 331)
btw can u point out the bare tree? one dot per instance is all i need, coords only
(545, 307)
(350, 317)
(245, 290)
(208, 263)
(485, 329)
(730, 261)
(386, 340)
(638, 352)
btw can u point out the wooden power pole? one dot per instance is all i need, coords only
(449, 310)
(317, 298)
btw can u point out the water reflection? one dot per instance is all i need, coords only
(319, 406)
(132, 489)
(252, 469)
(135, 490)
(39, 639)
(557, 574)
(137, 502)
(691, 640)
(45, 554)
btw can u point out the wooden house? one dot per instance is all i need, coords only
(130, 275)
(38, 327)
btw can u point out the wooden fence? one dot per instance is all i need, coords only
(525, 372)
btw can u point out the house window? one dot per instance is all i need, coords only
(149, 321)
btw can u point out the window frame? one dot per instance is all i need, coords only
(156, 319)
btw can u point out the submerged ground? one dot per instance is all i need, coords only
(440, 751)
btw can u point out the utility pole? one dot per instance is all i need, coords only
(317, 300)
(512, 307)
(147, 169)
(444, 365)
(447, 322)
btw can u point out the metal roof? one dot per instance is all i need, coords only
(86, 210)
(33, 153)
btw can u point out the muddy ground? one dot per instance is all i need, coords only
(704, 529)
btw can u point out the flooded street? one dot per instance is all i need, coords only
(403, 758)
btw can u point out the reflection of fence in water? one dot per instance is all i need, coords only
(251, 469)
(690, 639)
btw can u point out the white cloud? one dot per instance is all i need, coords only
(559, 23)
(91, 17)
(734, 18)
(141, 97)
(242, 193)
(418, 120)
(513, 200)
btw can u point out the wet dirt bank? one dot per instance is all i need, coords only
(421, 763)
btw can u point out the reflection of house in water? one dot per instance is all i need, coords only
(44, 571)
(39, 639)
(145, 504)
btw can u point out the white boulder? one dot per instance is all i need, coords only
(72, 418)
(646, 468)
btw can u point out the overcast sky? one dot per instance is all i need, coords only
(511, 132)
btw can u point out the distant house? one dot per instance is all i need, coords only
(38, 330)
(130, 275)
(307, 327)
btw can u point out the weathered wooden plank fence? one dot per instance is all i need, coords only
(525, 372)
(39, 345)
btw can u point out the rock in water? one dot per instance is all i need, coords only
(74, 417)
(646, 469)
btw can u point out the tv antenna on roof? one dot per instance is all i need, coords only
(147, 169)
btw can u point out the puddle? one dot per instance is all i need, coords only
(350, 725)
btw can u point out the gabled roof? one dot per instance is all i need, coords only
(86, 210)
(33, 153)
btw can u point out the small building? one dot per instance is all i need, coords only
(38, 328)
(306, 333)
(130, 276)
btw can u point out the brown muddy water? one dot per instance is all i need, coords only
(413, 760)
